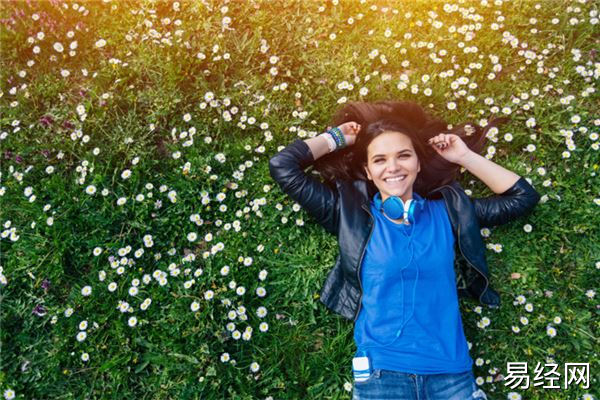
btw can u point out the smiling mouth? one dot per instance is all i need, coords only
(395, 179)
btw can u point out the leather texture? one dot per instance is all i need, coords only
(344, 212)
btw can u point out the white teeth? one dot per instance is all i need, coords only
(399, 178)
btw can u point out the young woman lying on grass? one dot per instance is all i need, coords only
(409, 240)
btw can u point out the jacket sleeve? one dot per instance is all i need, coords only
(320, 201)
(517, 201)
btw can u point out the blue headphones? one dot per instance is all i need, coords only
(395, 208)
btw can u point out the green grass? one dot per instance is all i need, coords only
(136, 92)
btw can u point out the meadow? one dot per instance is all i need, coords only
(145, 251)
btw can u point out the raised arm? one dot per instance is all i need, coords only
(515, 196)
(287, 169)
(496, 177)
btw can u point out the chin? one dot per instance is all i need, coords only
(397, 192)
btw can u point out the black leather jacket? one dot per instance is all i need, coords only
(345, 213)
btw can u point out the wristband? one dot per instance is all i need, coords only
(330, 141)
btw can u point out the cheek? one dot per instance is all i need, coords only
(376, 171)
(415, 166)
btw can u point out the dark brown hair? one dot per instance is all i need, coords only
(410, 119)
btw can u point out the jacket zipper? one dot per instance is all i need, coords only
(360, 262)
(487, 282)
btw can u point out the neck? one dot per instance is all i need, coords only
(405, 198)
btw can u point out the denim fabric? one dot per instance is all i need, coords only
(383, 384)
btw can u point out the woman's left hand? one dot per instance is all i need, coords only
(451, 147)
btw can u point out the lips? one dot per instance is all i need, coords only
(395, 179)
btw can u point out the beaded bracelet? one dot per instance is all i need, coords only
(337, 135)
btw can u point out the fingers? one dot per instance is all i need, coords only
(440, 141)
(350, 128)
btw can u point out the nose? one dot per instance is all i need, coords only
(393, 165)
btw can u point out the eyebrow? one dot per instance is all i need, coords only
(399, 152)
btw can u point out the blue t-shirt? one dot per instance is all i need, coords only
(417, 294)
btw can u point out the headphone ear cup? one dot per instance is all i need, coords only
(393, 207)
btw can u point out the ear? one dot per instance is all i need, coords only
(367, 171)
(418, 167)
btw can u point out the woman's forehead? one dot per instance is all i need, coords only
(390, 143)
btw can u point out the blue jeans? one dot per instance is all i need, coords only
(393, 385)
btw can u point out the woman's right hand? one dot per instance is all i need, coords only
(350, 130)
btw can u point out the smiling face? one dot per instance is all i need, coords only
(392, 155)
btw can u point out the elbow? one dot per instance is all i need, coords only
(273, 166)
(280, 170)
(531, 201)
(534, 197)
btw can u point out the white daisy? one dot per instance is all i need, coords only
(192, 236)
(261, 312)
(81, 336)
(126, 174)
